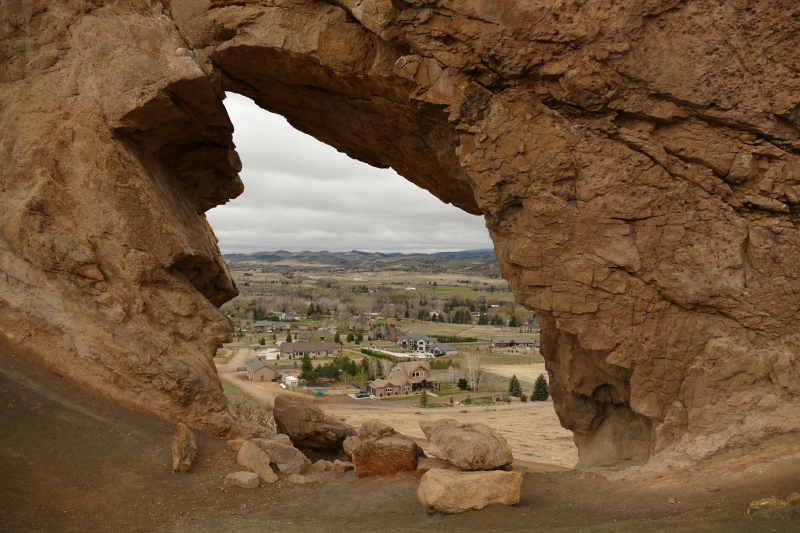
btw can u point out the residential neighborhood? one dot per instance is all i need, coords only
(293, 350)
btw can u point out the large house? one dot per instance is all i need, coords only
(260, 371)
(514, 342)
(306, 336)
(425, 346)
(291, 350)
(388, 333)
(404, 379)
(531, 327)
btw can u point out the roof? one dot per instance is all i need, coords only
(445, 347)
(417, 336)
(517, 340)
(292, 347)
(258, 365)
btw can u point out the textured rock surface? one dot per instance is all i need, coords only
(637, 163)
(246, 480)
(288, 459)
(456, 492)
(429, 463)
(379, 450)
(466, 445)
(307, 426)
(251, 456)
(184, 448)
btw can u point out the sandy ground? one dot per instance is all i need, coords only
(71, 462)
(240, 355)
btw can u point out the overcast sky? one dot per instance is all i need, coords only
(300, 194)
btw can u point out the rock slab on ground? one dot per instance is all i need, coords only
(251, 456)
(379, 451)
(288, 459)
(307, 426)
(448, 491)
(246, 480)
(469, 446)
(184, 448)
(340, 467)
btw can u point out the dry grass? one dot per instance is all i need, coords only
(525, 373)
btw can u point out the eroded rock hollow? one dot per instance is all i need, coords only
(637, 164)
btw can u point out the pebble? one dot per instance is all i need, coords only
(671, 501)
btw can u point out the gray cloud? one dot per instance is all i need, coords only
(301, 194)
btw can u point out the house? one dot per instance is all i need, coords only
(531, 327)
(306, 336)
(514, 342)
(388, 333)
(260, 371)
(291, 350)
(403, 379)
(425, 346)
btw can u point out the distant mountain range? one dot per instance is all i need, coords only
(357, 258)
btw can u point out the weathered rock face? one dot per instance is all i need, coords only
(379, 451)
(307, 426)
(184, 448)
(468, 446)
(637, 163)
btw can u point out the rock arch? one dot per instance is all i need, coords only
(641, 190)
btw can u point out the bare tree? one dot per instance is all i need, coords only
(386, 366)
(452, 375)
(474, 372)
(374, 368)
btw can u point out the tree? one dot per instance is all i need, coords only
(514, 386)
(474, 371)
(311, 310)
(307, 369)
(350, 337)
(462, 384)
(274, 337)
(288, 337)
(512, 322)
(374, 368)
(540, 389)
(262, 341)
(337, 339)
(318, 310)
(423, 399)
(359, 338)
(406, 315)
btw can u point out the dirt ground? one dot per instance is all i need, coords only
(73, 462)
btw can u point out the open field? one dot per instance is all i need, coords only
(525, 373)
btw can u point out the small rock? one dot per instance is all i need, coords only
(321, 466)
(713, 489)
(297, 478)
(253, 457)
(448, 491)
(766, 503)
(246, 480)
(236, 444)
(429, 463)
(289, 459)
(793, 499)
(341, 467)
(184, 448)
(671, 501)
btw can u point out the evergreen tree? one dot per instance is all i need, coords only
(421, 315)
(262, 341)
(350, 337)
(513, 322)
(337, 339)
(406, 315)
(288, 337)
(307, 369)
(423, 399)
(540, 389)
(318, 310)
(274, 337)
(514, 386)
(359, 338)
(310, 310)
(462, 384)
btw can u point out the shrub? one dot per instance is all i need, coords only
(540, 389)
(523, 397)
(514, 386)
(462, 384)
(504, 397)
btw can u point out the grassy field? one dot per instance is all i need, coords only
(233, 393)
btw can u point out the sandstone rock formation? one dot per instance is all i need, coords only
(307, 426)
(379, 450)
(184, 448)
(637, 164)
(251, 456)
(469, 446)
(456, 492)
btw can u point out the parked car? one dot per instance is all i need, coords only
(363, 394)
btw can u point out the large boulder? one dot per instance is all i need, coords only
(184, 448)
(469, 446)
(288, 459)
(252, 457)
(307, 426)
(379, 450)
(449, 491)
(244, 429)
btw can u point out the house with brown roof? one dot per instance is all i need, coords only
(388, 333)
(404, 379)
(291, 350)
(260, 371)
